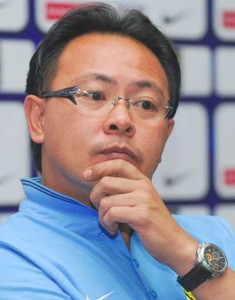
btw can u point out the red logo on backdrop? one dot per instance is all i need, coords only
(228, 18)
(55, 11)
(229, 177)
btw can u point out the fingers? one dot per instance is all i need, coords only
(116, 209)
(113, 217)
(113, 168)
(110, 186)
(115, 191)
(108, 196)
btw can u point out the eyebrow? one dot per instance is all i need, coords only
(141, 84)
(148, 84)
(95, 76)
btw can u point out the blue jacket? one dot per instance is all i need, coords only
(54, 248)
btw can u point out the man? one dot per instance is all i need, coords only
(102, 91)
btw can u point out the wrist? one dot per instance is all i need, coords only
(211, 262)
(185, 256)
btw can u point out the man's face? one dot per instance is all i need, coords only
(73, 138)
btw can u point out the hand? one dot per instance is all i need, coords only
(122, 194)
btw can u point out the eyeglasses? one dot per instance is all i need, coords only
(143, 106)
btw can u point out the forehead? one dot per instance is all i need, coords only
(120, 58)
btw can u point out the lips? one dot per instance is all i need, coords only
(119, 153)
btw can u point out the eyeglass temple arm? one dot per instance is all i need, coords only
(64, 93)
(170, 110)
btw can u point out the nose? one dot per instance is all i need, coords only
(119, 120)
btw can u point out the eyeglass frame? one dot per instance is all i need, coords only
(71, 91)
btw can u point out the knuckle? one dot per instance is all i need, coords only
(104, 204)
(111, 214)
(104, 181)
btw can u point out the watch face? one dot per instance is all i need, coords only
(214, 259)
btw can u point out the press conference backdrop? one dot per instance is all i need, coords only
(197, 173)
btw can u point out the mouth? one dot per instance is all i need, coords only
(119, 153)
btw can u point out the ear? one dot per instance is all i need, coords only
(35, 112)
(171, 124)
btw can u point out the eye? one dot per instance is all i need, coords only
(145, 104)
(95, 95)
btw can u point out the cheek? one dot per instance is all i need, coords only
(61, 130)
(155, 140)
(68, 132)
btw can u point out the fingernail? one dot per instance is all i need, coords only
(87, 174)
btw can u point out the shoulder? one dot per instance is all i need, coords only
(20, 278)
(203, 227)
(210, 229)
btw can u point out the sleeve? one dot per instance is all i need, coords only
(211, 229)
(16, 274)
(228, 241)
(163, 280)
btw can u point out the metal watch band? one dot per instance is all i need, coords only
(194, 277)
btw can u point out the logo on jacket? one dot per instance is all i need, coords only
(100, 298)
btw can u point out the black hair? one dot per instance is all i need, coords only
(99, 18)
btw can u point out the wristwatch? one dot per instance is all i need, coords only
(211, 262)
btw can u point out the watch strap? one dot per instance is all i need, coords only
(194, 277)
